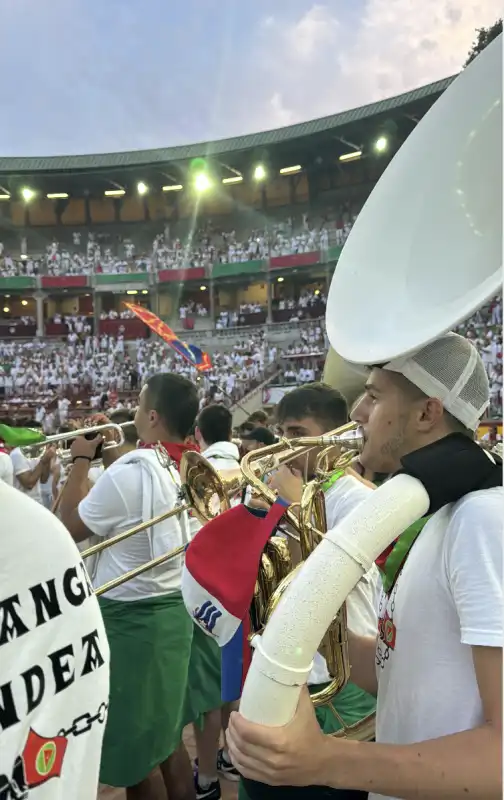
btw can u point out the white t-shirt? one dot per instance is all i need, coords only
(341, 498)
(6, 469)
(54, 664)
(448, 598)
(94, 473)
(23, 464)
(115, 504)
(223, 456)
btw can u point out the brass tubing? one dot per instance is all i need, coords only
(97, 548)
(133, 573)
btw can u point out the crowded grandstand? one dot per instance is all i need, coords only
(236, 251)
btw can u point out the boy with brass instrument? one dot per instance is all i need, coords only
(314, 410)
(148, 628)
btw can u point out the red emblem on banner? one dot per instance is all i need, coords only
(387, 631)
(43, 758)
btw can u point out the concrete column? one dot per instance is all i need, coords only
(212, 304)
(39, 300)
(269, 318)
(97, 307)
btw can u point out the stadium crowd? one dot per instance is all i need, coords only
(54, 380)
(93, 370)
(91, 252)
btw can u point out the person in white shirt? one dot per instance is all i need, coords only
(213, 433)
(6, 467)
(54, 669)
(314, 410)
(148, 628)
(30, 473)
(436, 664)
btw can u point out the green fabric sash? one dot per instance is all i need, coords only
(150, 646)
(332, 480)
(392, 560)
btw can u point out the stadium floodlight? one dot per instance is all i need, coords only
(202, 182)
(352, 156)
(142, 188)
(27, 194)
(175, 187)
(259, 173)
(114, 192)
(290, 170)
(234, 179)
(6, 309)
(381, 144)
(57, 196)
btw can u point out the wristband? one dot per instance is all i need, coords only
(86, 458)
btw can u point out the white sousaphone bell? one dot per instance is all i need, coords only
(423, 255)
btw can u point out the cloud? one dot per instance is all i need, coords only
(87, 76)
(322, 62)
(315, 30)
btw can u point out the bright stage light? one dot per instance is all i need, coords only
(381, 144)
(201, 182)
(27, 194)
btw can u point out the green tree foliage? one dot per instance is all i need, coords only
(483, 38)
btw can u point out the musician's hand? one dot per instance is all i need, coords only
(85, 447)
(288, 756)
(257, 502)
(101, 419)
(48, 454)
(288, 483)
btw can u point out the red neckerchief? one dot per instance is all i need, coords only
(175, 451)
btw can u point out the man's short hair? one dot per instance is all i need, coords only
(317, 400)
(259, 418)
(176, 401)
(215, 423)
(121, 415)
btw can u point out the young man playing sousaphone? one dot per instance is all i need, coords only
(148, 628)
(314, 410)
(436, 663)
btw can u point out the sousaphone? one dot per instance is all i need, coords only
(423, 255)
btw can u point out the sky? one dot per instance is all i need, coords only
(95, 76)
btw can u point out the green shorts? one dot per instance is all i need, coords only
(150, 645)
(204, 681)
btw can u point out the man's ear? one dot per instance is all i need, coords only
(430, 413)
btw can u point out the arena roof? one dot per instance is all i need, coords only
(280, 136)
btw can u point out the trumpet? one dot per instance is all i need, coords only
(35, 450)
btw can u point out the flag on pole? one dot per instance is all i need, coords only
(192, 354)
(20, 437)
